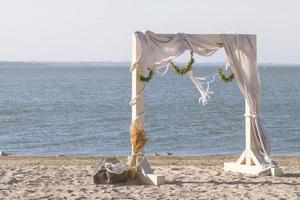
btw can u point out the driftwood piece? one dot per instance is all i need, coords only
(102, 176)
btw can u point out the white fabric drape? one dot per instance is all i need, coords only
(157, 50)
(241, 54)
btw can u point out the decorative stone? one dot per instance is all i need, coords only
(102, 176)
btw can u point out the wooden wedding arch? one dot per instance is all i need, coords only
(250, 161)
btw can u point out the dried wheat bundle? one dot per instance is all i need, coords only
(138, 137)
(138, 141)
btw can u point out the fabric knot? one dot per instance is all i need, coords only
(204, 93)
(254, 115)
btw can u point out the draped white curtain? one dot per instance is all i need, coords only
(157, 50)
(241, 54)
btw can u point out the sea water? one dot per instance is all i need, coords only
(83, 109)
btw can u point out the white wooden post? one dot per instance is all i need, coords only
(145, 173)
(249, 143)
(137, 87)
(250, 161)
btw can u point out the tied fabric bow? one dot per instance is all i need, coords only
(204, 93)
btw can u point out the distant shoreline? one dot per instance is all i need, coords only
(126, 64)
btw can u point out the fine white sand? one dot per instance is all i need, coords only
(187, 178)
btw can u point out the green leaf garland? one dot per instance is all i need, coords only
(186, 68)
(147, 78)
(225, 78)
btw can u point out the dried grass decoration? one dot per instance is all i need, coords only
(138, 141)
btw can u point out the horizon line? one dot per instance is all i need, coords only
(127, 62)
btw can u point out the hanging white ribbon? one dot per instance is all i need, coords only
(204, 93)
(157, 70)
(227, 64)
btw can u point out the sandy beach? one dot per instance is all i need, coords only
(187, 178)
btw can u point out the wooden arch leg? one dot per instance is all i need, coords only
(250, 162)
(145, 173)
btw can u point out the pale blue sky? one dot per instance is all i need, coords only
(100, 30)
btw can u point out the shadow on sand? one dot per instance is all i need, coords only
(239, 182)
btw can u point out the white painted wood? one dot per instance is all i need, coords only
(249, 135)
(146, 176)
(242, 158)
(256, 158)
(137, 87)
(276, 172)
(157, 179)
(145, 173)
(250, 160)
(151, 179)
(145, 167)
(236, 167)
(249, 169)
(250, 156)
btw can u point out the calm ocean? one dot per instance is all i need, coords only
(83, 109)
